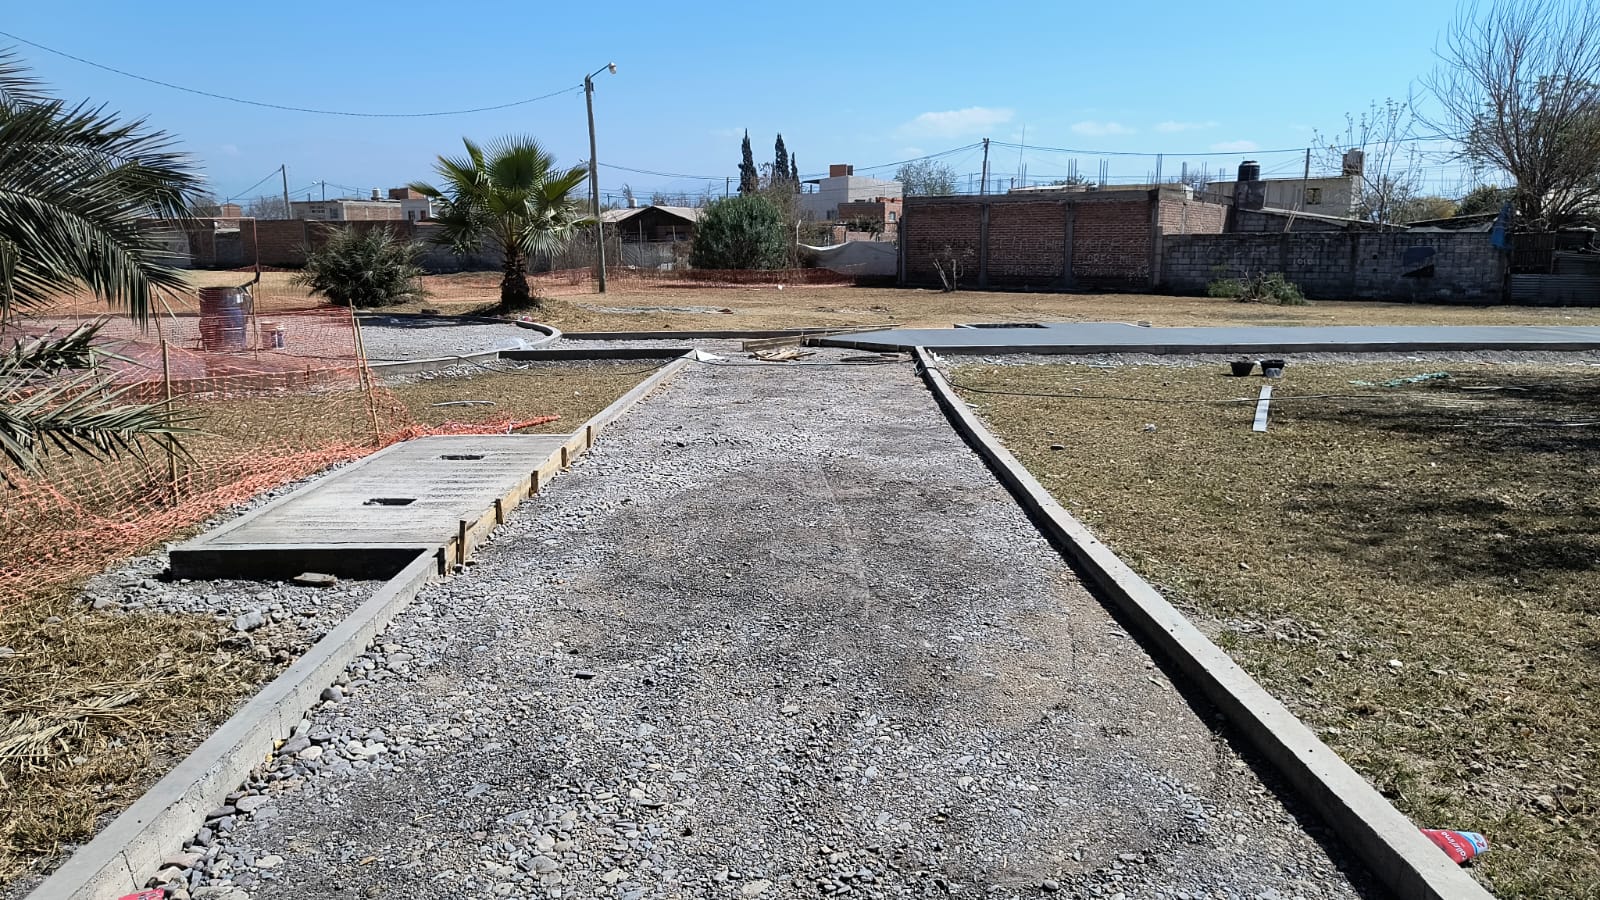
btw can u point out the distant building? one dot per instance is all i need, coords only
(230, 211)
(882, 212)
(1334, 196)
(652, 224)
(413, 206)
(346, 209)
(843, 186)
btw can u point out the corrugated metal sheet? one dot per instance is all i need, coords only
(1556, 290)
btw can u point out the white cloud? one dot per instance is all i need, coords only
(1101, 129)
(1236, 146)
(956, 122)
(1173, 127)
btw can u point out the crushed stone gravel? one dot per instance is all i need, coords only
(779, 635)
(391, 339)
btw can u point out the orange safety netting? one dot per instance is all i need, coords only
(273, 398)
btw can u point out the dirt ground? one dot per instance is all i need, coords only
(1410, 567)
(633, 305)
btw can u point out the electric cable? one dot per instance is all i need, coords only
(281, 106)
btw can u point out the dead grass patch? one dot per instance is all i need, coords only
(1435, 525)
(572, 392)
(93, 706)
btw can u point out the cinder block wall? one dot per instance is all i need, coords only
(1341, 265)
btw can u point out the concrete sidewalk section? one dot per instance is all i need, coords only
(779, 635)
(371, 518)
(1120, 337)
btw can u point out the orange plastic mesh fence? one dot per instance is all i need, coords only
(274, 398)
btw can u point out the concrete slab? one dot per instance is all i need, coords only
(1120, 337)
(371, 518)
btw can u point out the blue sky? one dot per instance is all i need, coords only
(867, 84)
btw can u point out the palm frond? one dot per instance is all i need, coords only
(74, 183)
(80, 414)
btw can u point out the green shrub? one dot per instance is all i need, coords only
(1265, 287)
(743, 232)
(364, 269)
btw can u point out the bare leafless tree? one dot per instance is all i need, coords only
(1519, 81)
(1390, 173)
(951, 263)
(266, 207)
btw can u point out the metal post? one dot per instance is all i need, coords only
(594, 185)
(288, 211)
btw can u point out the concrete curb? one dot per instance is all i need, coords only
(1251, 349)
(432, 364)
(1396, 852)
(131, 848)
(722, 334)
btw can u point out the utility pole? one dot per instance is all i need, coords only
(1305, 182)
(288, 211)
(983, 188)
(727, 185)
(594, 173)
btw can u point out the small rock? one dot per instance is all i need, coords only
(1050, 885)
(1058, 446)
(7, 652)
(315, 579)
(310, 754)
(1396, 664)
(270, 861)
(333, 693)
(250, 621)
(755, 888)
(294, 745)
(252, 803)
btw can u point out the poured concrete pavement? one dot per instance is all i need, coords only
(371, 518)
(1121, 337)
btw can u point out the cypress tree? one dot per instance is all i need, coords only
(749, 180)
(794, 172)
(780, 162)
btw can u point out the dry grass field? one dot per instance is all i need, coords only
(1412, 569)
(634, 305)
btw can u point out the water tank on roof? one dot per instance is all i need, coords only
(1249, 170)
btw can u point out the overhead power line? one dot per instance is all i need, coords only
(282, 106)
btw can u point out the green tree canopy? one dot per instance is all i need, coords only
(749, 175)
(926, 178)
(513, 194)
(745, 232)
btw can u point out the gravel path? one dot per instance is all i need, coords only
(779, 635)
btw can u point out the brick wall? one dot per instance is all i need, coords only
(1341, 265)
(1024, 243)
(1183, 216)
(1111, 243)
(1027, 244)
(937, 229)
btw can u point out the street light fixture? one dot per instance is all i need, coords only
(594, 171)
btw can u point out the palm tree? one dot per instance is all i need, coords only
(513, 195)
(74, 182)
